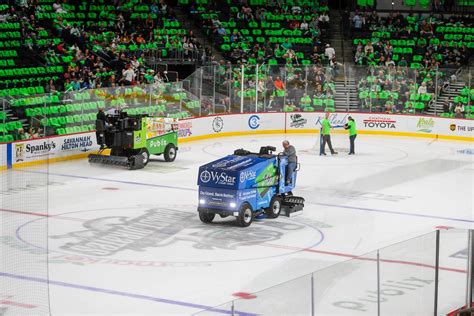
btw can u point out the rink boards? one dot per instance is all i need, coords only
(80, 145)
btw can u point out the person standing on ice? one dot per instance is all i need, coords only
(326, 128)
(290, 152)
(351, 126)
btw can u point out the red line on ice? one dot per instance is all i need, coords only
(340, 254)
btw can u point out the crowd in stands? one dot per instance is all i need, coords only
(410, 56)
(100, 44)
(275, 88)
(399, 89)
(78, 45)
(280, 47)
(411, 40)
(251, 32)
(462, 106)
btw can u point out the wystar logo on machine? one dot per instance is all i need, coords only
(216, 177)
(297, 120)
(254, 121)
(217, 124)
(425, 125)
(247, 175)
(380, 122)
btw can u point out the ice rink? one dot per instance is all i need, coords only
(393, 189)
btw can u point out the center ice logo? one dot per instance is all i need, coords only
(216, 177)
(101, 238)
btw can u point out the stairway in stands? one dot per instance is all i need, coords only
(346, 89)
(447, 95)
(346, 95)
(189, 24)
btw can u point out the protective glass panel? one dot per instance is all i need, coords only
(407, 274)
(453, 264)
(24, 227)
(347, 288)
(292, 297)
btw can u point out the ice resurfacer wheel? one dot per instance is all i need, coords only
(145, 154)
(245, 215)
(273, 211)
(206, 217)
(170, 153)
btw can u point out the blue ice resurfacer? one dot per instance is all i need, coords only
(246, 185)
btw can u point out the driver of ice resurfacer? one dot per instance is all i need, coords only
(290, 152)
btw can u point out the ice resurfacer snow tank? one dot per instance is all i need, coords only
(246, 185)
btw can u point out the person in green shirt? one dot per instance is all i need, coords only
(326, 127)
(351, 126)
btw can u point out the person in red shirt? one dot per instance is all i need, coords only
(279, 85)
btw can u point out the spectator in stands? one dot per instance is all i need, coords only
(329, 52)
(459, 108)
(368, 49)
(221, 30)
(334, 66)
(359, 57)
(21, 134)
(31, 134)
(128, 75)
(287, 45)
(358, 21)
(324, 20)
(278, 84)
(402, 62)
(304, 26)
(50, 87)
(458, 113)
(58, 8)
(314, 23)
(422, 89)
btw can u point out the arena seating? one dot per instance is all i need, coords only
(263, 31)
(51, 53)
(424, 48)
(73, 47)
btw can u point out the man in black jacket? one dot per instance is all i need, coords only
(100, 126)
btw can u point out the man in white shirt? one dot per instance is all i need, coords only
(128, 75)
(329, 52)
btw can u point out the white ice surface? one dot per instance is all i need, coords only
(392, 190)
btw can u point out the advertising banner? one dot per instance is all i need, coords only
(380, 123)
(57, 148)
(53, 148)
(311, 122)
